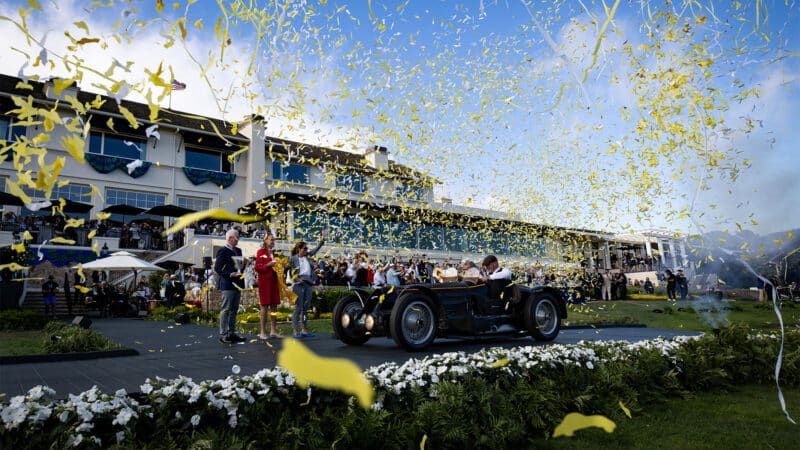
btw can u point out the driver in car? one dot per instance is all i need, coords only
(493, 271)
(496, 279)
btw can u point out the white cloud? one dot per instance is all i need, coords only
(223, 89)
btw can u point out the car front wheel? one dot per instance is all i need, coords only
(349, 306)
(413, 322)
(541, 317)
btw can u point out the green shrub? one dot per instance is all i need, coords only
(21, 319)
(325, 299)
(507, 404)
(60, 338)
(196, 315)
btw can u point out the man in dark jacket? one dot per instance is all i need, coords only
(175, 291)
(682, 284)
(231, 282)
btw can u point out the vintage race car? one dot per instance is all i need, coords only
(415, 315)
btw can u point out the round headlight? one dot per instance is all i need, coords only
(369, 321)
(346, 320)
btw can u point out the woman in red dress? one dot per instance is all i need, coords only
(268, 296)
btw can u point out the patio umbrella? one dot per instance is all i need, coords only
(10, 200)
(169, 211)
(172, 265)
(123, 209)
(121, 261)
(71, 206)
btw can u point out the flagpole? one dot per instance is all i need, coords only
(170, 98)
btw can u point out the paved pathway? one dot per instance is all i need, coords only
(168, 350)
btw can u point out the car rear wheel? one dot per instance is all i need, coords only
(413, 323)
(541, 317)
(348, 306)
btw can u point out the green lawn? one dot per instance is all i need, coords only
(14, 343)
(748, 418)
(652, 313)
(679, 315)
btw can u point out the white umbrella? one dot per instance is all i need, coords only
(121, 261)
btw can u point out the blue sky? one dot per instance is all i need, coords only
(512, 107)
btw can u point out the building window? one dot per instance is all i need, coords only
(109, 144)
(197, 204)
(144, 200)
(207, 160)
(352, 183)
(292, 173)
(74, 192)
(410, 192)
(10, 132)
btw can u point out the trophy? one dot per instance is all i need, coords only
(239, 262)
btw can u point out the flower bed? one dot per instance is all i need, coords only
(493, 398)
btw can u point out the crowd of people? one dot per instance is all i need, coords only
(234, 271)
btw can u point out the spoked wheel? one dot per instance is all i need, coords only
(349, 306)
(413, 323)
(541, 317)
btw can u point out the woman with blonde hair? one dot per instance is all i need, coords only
(268, 295)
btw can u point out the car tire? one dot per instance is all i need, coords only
(541, 317)
(413, 322)
(350, 304)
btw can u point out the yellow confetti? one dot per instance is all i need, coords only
(328, 373)
(215, 213)
(499, 363)
(625, 409)
(573, 422)
(74, 145)
(60, 240)
(14, 267)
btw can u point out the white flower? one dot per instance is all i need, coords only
(42, 413)
(13, 415)
(123, 417)
(75, 440)
(195, 420)
(120, 436)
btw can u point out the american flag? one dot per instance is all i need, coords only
(178, 86)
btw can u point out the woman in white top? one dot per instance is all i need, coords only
(303, 280)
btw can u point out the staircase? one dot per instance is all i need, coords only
(34, 301)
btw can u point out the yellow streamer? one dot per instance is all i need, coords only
(328, 373)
